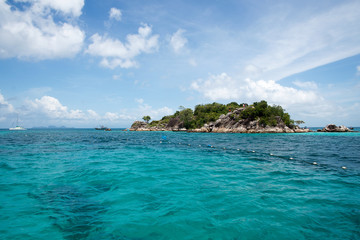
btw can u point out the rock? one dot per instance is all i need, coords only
(139, 126)
(334, 128)
(302, 130)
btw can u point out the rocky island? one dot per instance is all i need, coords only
(231, 118)
(334, 128)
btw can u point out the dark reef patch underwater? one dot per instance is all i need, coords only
(87, 184)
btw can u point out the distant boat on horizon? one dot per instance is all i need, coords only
(17, 128)
(103, 128)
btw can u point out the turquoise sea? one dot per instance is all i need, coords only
(87, 184)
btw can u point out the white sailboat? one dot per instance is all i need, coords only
(17, 128)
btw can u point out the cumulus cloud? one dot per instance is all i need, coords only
(48, 109)
(93, 115)
(145, 109)
(217, 87)
(224, 87)
(5, 107)
(32, 33)
(113, 117)
(178, 41)
(253, 71)
(155, 113)
(115, 14)
(302, 103)
(71, 7)
(115, 53)
(52, 108)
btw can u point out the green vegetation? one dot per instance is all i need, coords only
(266, 114)
(146, 118)
(211, 112)
(206, 113)
(299, 122)
(154, 123)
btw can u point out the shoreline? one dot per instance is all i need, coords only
(206, 129)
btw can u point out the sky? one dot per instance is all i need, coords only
(79, 63)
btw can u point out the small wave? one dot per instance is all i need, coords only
(6, 166)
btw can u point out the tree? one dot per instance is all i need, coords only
(186, 116)
(146, 118)
(298, 122)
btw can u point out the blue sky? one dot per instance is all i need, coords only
(79, 63)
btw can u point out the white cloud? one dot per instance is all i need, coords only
(145, 109)
(5, 107)
(139, 100)
(113, 117)
(224, 87)
(71, 7)
(93, 115)
(48, 110)
(217, 87)
(253, 71)
(291, 45)
(155, 113)
(33, 33)
(178, 41)
(193, 62)
(358, 70)
(115, 14)
(115, 53)
(305, 85)
(52, 108)
(117, 62)
(279, 94)
(301, 103)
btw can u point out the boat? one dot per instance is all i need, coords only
(17, 128)
(103, 128)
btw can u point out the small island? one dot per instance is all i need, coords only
(258, 117)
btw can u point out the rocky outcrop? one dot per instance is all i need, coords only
(139, 125)
(231, 123)
(334, 128)
(174, 125)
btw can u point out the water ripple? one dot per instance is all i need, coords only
(86, 184)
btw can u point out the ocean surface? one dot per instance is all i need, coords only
(88, 184)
